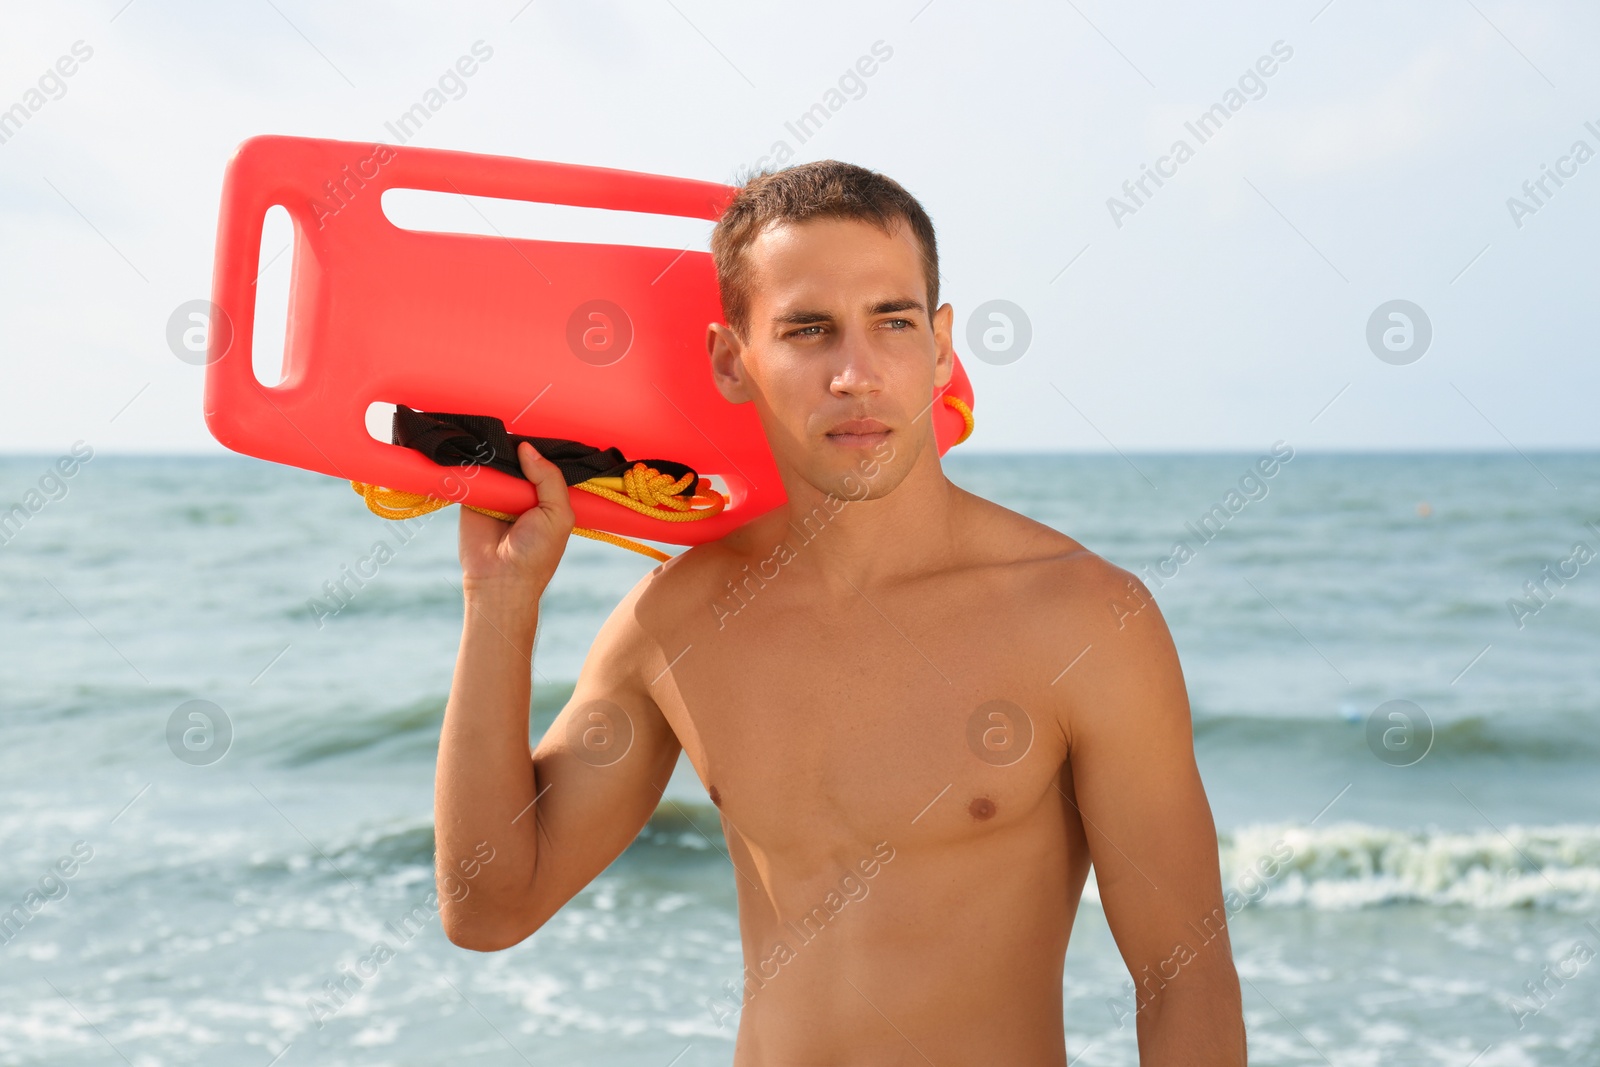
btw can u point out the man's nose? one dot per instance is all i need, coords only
(859, 370)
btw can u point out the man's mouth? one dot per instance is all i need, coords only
(859, 432)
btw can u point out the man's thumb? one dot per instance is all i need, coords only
(546, 477)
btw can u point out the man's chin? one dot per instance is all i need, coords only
(867, 477)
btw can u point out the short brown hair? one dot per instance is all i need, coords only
(825, 188)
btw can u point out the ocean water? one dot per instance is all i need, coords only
(1440, 899)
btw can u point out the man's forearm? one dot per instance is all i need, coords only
(1196, 1021)
(485, 786)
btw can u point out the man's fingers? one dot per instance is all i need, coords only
(547, 480)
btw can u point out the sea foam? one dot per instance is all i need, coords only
(1357, 865)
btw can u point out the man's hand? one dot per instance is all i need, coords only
(524, 553)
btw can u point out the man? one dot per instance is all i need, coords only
(888, 682)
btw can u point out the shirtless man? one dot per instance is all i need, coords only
(886, 684)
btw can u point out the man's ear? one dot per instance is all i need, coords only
(944, 361)
(727, 362)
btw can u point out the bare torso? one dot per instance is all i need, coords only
(890, 768)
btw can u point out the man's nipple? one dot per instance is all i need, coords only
(716, 797)
(981, 808)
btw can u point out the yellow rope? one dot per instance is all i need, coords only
(966, 417)
(622, 542)
(399, 504)
(644, 489)
(647, 490)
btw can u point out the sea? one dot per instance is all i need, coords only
(216, 783)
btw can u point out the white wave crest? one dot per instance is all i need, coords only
(1351, 864)
(1355, 865)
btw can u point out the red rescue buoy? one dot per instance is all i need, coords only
(598, 343)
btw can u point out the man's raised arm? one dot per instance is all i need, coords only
(518, 833)
(1151, 836)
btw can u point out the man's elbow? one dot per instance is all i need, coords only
(477, 938)
(481, 933)
(1199, 1010)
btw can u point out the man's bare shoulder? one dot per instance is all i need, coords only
(657, 603)
(1062, 577)
(1099, 620)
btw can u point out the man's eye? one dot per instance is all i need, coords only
(908, 322)
(804, 331)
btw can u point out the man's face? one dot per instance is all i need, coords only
(844, 355)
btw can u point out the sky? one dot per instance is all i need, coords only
(1382, 159)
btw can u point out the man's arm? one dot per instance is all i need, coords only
(1151, 835)
(547, 820)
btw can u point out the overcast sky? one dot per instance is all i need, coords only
(1225, 308)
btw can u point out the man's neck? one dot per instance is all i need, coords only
(848, 544)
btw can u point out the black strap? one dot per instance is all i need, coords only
(464, 440)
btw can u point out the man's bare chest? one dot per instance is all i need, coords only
(933, 721)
